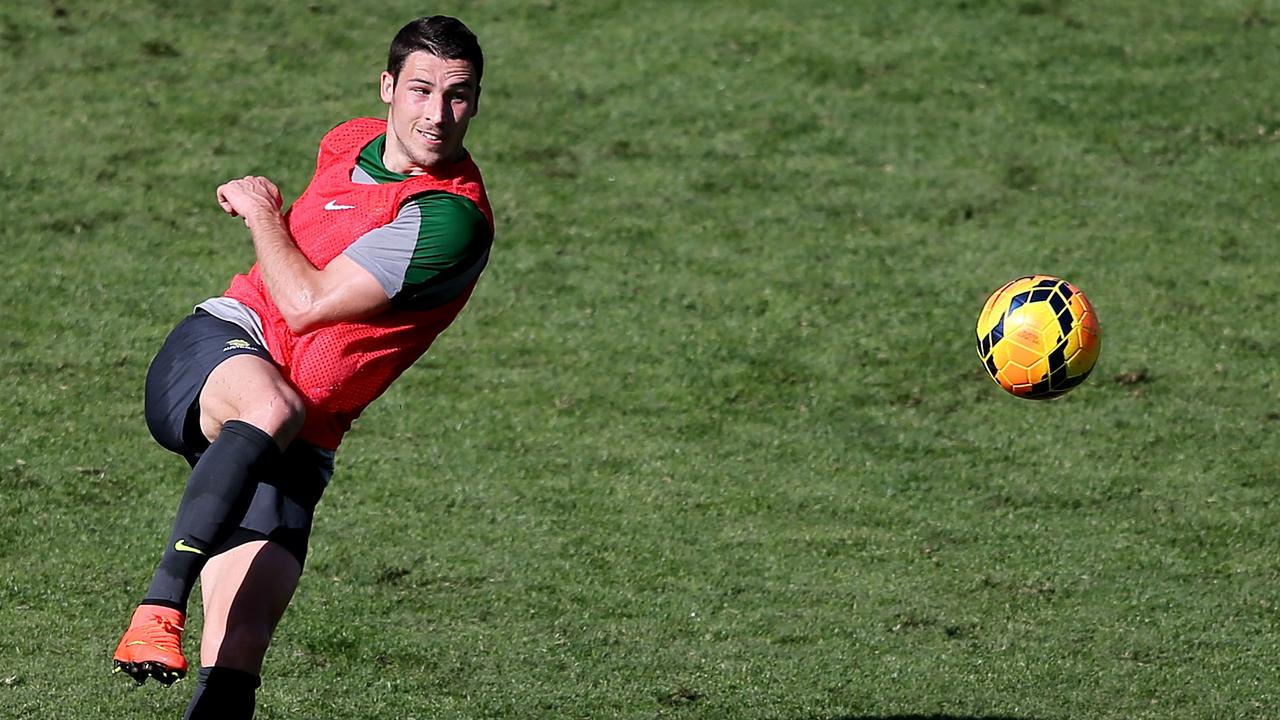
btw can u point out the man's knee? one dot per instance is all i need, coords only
(250, 390)
(279, 413)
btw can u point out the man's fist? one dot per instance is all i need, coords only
(249, 197)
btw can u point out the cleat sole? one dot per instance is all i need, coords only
(141, 671)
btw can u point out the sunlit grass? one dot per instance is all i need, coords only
(711, 440)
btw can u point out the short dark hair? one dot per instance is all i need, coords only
(443, 36)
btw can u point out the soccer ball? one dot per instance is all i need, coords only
(1038, 337)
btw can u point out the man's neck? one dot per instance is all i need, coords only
(398, 162)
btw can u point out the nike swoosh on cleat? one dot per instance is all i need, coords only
(182, 546)
(331, 205)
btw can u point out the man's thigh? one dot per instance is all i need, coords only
(177, 376)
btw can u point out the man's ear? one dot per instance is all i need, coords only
(475, 104)
(386, 86)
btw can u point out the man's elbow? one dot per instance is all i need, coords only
(307, 312)
(302, 327)
(302, 316)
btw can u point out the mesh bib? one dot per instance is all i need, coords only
(342, 368)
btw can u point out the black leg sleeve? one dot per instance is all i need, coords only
(217, 495)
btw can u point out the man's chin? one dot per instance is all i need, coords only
(435, 159)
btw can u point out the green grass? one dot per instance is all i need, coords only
(711, 440)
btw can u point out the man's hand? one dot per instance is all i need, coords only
(308, 297)
(250, 197)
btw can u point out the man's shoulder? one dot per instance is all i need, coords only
(443, 204)
(441, 225)
(370, 126)
(350, 136)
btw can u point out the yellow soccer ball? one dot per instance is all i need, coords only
(1038, 337)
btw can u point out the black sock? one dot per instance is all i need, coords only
(223, 693)
(218, 493)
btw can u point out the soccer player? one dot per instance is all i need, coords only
(256, 388)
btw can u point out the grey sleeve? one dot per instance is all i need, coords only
(387, 251)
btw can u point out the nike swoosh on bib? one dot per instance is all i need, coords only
(331, 205)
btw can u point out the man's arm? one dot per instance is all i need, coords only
(308, 298)
(434, 249)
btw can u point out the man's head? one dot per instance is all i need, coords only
(432, 87)
(440, 35)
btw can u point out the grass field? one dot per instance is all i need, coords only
(711, 441)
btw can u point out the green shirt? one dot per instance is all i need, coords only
(435, 237)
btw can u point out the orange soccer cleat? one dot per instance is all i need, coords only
(152, 646)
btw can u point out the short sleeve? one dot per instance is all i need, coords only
(435, 239)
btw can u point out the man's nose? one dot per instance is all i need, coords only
(436, 110)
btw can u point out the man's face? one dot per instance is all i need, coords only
(431, 104)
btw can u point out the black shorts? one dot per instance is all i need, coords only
(284, 503)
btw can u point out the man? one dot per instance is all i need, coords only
(256, 388)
